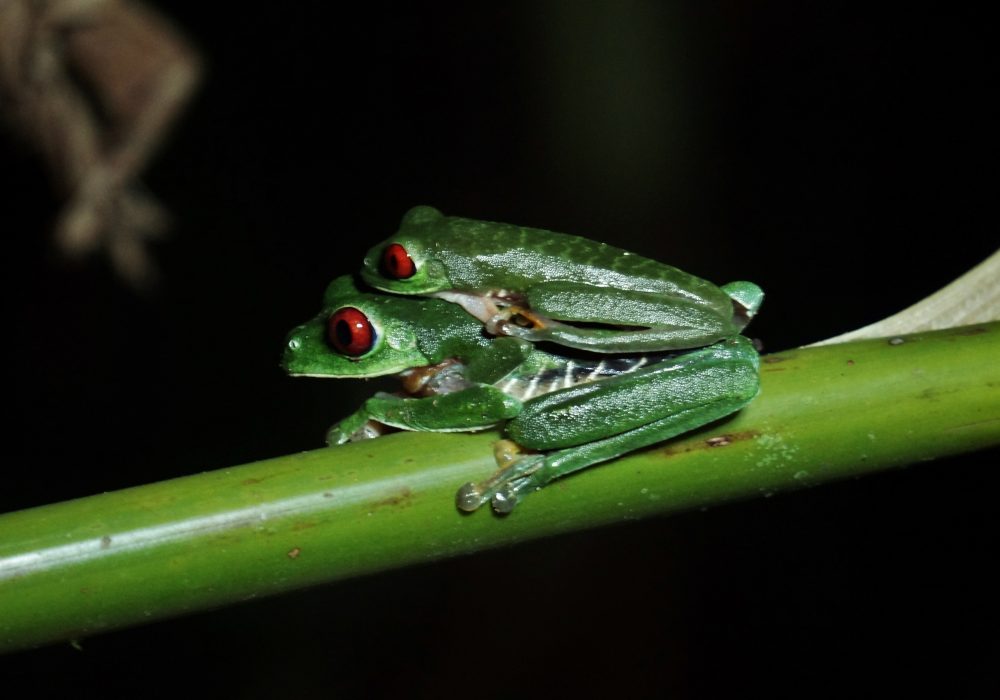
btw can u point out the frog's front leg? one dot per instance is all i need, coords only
(595, 422)
(475, 408)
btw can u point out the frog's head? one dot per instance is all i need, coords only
(361, 334)
(406, 262)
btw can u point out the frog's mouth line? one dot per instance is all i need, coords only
(352, 376)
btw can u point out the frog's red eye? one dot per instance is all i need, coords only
(350, 332)
(397, 263)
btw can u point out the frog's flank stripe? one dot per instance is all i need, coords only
(532, 386)
(571, 374)
(597, 372)
(557, 382)
(508, 385)
(568, 376)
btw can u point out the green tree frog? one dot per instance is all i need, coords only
(544, 286)
(560, 413)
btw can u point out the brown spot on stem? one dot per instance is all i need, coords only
(399, 500)
(716, 441)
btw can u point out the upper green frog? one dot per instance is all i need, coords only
(545, 286)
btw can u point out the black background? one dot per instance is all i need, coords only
(844, 158)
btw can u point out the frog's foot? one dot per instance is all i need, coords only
(506, 485)
(506, 453)
(429, 380)
(348, 431)
(369, 430)
(515, 321)
(747, 298)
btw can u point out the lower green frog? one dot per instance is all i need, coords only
(561, 413)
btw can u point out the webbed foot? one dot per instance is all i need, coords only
(346, 431)
(505, 487)
(517, 321)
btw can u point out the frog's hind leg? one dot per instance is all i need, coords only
(563, 462)
(527, 324)
(602, 319)
(506, 487)
(696, 396)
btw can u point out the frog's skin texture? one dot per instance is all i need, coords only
(570, 412)
(544, 286)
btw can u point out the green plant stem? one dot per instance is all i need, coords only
(72, 569)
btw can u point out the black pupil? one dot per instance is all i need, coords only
(343, 331)
(392, 262)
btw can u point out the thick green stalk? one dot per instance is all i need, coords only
(76, 568)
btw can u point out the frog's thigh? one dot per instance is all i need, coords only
(574, 301)
(688, 392)
(563, 462)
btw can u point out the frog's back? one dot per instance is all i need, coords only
(482, 255)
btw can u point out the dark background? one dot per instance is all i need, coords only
(844, 158)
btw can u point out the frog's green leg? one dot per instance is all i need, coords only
(633, 321)
(474, 408)
(682, 395)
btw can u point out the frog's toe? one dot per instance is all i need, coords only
(506, 453)
(505, 499)
(510, 494)
(369, 430)
(470, 497)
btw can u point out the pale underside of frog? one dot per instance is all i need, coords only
(544, 286)
(561, 413)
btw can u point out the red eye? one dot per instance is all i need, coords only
(397, 263)
(350, 332)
